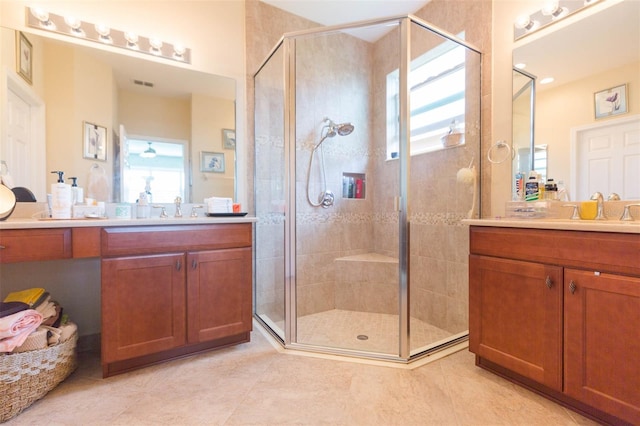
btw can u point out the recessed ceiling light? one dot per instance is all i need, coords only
(546, 80)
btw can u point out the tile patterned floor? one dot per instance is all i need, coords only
(255, 384)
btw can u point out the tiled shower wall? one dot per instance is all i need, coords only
(343, 78)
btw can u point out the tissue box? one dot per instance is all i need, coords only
(219, 205)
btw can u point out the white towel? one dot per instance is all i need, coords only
(14, 329)
(219, 205)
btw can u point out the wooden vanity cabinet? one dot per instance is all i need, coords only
(602, 341)
(170, 291)
(559, 312)
(516, 309)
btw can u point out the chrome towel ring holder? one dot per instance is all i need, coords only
(496, 149)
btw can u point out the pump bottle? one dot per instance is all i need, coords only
(60, 198)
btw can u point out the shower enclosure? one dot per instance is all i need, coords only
(367, 146)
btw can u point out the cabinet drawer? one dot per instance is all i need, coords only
(599, 251)
(23, 245)
(161, 239)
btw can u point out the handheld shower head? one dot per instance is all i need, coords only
(345, 129)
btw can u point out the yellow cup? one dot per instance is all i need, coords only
(588, 210)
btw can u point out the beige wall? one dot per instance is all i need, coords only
(77, 88)
(208, 117)
(560, 109)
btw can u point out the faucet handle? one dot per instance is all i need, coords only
(576, 214)
(194, 212)
(626, 214)
(163, 213)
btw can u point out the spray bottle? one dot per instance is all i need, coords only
(60, 198)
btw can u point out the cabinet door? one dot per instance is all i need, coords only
(515, 316)
(602, 342)
(218, 293)
(143, 305)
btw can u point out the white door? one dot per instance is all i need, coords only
(23, 144)
(607, 159)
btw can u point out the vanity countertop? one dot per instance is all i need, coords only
(28, 223)
(632, 227)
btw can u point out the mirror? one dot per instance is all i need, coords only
(599, 50)
(182, 114)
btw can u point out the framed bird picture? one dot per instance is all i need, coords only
(611, 101)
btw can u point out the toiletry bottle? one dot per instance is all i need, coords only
(563, 194)
(531, 188)
(60, 198)
(541, 194)
(551, 190)
(77, 194)
(519, 196)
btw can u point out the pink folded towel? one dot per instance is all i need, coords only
(14, 329)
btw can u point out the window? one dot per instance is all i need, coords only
(164, 175)
(437, 83)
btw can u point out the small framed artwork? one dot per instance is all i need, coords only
(24, 56)
(94, 141)
(211, 162)
(228, 139)
(611, 101)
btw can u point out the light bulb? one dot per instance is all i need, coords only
(43, 17)
(132, 40)
(156, 45)
(103, 30)
(179, 49)
(523, 22)
(104, 33)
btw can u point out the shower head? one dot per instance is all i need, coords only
(342, 129)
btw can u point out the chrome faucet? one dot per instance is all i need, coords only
(597, 196)
(626, 214)
(178, 203)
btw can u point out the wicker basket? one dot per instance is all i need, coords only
(26, 377)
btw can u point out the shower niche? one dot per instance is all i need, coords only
(335, 260)
(354, 185)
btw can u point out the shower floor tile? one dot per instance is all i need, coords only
(347, 329)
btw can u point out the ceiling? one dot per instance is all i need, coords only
(337, 12)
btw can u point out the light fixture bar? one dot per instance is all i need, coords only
(42, 20)
(551, 12)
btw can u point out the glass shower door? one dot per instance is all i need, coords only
(270, 198)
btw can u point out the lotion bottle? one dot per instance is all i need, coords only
(77, 194)
(60, 198)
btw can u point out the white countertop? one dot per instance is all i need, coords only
(632, 227)
(25, 223)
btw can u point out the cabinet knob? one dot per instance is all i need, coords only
(572, 287)
(194, 264)
(548, 282)
(178, 265)
(2, 247)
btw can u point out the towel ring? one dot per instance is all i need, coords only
(498, 145)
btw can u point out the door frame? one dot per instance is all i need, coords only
(11, 82)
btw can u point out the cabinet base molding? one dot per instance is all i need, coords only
(119, 367)
(553, 395)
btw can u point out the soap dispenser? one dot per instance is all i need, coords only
(77, 193)
(60, 198)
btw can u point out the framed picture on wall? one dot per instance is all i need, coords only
(611, 101)
(94, 141)
(228, 139)
(24, 57)
(211, 162)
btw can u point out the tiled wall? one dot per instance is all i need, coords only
(344, 78)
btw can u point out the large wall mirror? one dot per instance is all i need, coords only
(597, 50)
(163, 126)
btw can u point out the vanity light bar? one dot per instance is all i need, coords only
(552, 11)
(100, 33)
